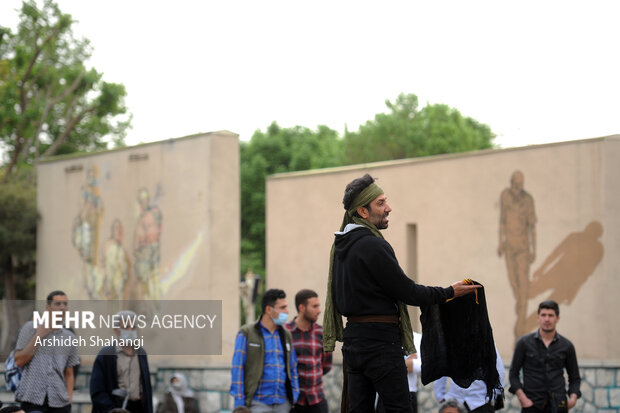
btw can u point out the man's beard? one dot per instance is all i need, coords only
(382, 223)
(305, 317)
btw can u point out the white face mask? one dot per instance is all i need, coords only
(128, 334)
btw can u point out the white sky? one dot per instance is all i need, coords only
(534, 71)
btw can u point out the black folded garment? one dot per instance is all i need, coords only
(457, 342)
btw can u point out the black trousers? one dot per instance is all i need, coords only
(376, 367)
(413, 399)
(320, 407)
(29, 407)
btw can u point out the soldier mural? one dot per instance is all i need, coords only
(517, 243)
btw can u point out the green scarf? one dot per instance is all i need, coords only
(332, 319)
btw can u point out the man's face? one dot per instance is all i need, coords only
(378, 212)
(279, 307)
(547, 319)
(59, 303)
(311, 310)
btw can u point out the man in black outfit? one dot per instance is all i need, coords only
(369, 288)
(544, 355)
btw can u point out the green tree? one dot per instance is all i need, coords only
(50, 102)
(274, 151)
(407, 132)
(18, 233)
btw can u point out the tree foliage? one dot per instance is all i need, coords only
(18, 232)
(274, 151)
(50, 102)
(407, 132)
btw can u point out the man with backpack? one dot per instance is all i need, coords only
(47, 378)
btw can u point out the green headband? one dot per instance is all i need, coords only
(365, 197)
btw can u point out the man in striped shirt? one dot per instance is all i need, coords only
(312, 362)
(47, 370)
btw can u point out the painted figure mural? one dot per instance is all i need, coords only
(147, 247)
(85, 232)
(116, 264)
(517, 243)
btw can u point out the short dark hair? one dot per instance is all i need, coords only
(303, 296)
(270, 297)
(50, 296)
(549, 305)
(354, 188)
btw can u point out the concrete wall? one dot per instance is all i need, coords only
(166, 212)
(445, 226)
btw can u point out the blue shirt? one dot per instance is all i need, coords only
(272, 385)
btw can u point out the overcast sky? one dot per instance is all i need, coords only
(534, 71)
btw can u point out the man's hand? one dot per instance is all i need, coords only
(523, 399)
(409, 362)
(460, 288)
(572, 401)
(43, 332)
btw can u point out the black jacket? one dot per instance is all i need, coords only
(367, 279)
(104, 379)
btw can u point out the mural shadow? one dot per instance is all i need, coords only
(567, 268)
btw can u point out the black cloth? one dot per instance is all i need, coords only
(543, 369)
(104, 379)
(367, 279)
(458, 342)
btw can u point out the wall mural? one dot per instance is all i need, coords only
(517, 243)
(116, 264)
(119, 272)
(86, 232)
(567, 268)
(563, 272)
(147, 247)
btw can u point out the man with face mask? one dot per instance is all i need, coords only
(121, 374)
(264, 365)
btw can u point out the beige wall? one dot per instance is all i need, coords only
(194, 184)
(453, 201)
